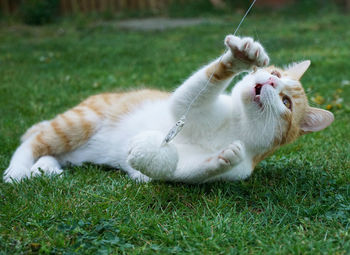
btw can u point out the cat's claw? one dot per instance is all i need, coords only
(232, 155)
(247, 50)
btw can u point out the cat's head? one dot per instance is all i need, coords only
(274, 100)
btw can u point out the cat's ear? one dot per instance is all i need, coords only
(297, 70)
(316, 119)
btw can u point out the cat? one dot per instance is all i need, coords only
(224, 138)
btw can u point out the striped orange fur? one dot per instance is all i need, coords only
(74, 127)
(219, 71)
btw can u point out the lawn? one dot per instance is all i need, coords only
(296, 202)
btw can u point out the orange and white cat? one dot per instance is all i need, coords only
(225, 136)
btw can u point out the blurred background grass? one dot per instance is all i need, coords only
(46, 11)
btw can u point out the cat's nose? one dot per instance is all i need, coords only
(271, 81)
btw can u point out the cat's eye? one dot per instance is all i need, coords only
(276, 73)
(287, 102)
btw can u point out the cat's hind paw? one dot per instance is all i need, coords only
(47, 165)
(15, 174)
(247, 50)
(147, 155)
(139, 177)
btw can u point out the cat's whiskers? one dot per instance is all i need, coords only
(261, 120)
(279, 131)
(272, 117)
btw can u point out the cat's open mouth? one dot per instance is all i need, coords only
(258, 88)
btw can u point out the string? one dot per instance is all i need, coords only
(181, 122)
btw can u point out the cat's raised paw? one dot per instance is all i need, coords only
(247, 51)
(232, 155)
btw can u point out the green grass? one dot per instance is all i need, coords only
(296, 202)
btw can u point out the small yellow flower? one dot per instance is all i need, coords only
(339, 91)
(318, 99)
(329, 107)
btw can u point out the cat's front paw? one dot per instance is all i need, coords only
(232, 155)
(248, 51)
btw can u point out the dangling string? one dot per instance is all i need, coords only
(181, 122)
